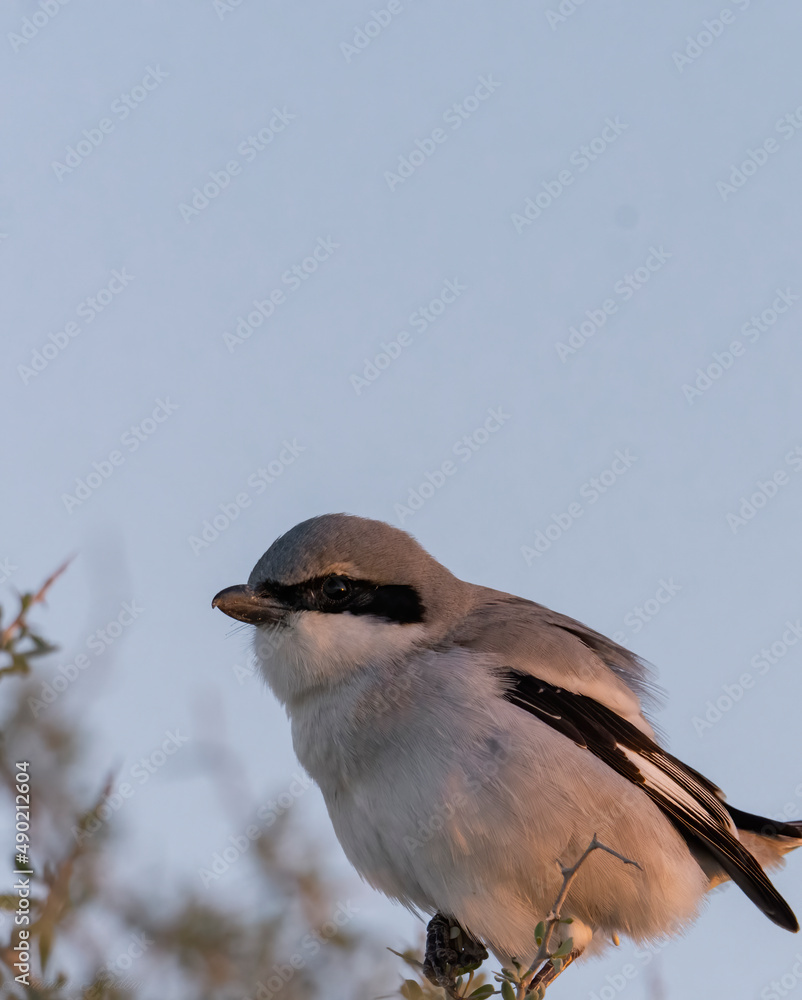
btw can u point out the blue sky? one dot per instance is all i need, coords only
(522, 278)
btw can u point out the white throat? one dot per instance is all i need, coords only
(312, 648)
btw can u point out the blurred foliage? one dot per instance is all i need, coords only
(95, 937)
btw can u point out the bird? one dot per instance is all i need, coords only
(470, 745)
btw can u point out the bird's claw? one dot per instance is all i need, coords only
(450, 952)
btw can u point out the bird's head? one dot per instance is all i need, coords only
(338, 592)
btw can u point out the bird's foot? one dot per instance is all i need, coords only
(450, 952)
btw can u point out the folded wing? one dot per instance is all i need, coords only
(693, 803)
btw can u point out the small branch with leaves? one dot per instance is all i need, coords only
(457, 978)
(18, 641)
(547, 965)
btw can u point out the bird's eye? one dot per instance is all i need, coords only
(336, 588)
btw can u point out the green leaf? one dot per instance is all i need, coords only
(557, 963)
(483, 992)
(565, 949)
(42, 644)
(471, 967)
(507, 992)
(41, 650)
(407, 956)
(410, 990)
(19, 665)
(540, 932)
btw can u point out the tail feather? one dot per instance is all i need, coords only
(747, 873)
(766, 827)
(766, 840)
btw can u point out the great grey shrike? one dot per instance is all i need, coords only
(468, 742)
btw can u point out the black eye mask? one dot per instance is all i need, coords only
(335, 594)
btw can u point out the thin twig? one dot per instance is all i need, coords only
(19, 623)
(568, 874)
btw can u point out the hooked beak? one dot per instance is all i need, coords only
(244, 604)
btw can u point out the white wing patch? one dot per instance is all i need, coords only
(664, 777)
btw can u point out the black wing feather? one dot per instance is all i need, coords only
(764, 826)
(634, 755)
